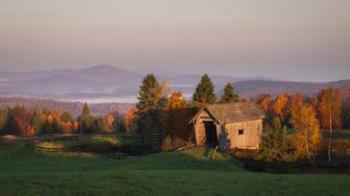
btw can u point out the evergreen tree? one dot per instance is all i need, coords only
(346, 114)
(229, 95)
(151, 101)
(4, 120)
(276, 146)
(37, 121)
(204, 91)
(87, 123)
(121, 125)
(149, 94)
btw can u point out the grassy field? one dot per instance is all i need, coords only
(197, 171)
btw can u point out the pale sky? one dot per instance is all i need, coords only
(283, 39)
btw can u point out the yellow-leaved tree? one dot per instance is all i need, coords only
(307, 139)
(280, 107)
(329, 108)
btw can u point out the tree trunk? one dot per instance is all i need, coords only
(307, 145)
(330, 133)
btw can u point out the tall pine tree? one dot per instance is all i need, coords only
(204, 93)
(229, 95)
(149, 108)
(149, 94)
(37, 121)
(87, 123)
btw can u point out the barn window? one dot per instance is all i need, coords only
(240, 131)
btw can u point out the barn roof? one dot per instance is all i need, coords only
(233, 112)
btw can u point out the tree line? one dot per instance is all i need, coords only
(328, 110)
(21, 121)
(165, 114)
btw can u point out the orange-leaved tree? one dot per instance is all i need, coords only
(329, 102)
(280, 106)
(307, 139)
(175, 120)
(129, 119)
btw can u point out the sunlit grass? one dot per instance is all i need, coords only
(197, 171)
(93, 141)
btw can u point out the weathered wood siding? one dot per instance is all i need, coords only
(251, 137)
(199, 128)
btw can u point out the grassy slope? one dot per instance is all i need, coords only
(196, 171)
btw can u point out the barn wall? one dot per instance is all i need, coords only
(199, 128)
(251, 137)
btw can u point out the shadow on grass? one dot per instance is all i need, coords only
(198, 158)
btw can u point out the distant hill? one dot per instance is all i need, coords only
(75, 108)
(108, 81)
(97, 79)
(254, 87)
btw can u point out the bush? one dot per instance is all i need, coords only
(276, 146)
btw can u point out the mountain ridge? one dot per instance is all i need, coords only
(108, 80)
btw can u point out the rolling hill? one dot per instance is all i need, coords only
(109, 81)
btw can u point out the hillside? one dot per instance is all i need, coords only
(197, 171)
(254, 87)
(108, 81)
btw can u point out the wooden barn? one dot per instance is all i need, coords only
(231, 125)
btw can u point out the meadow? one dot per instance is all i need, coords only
(196, 171)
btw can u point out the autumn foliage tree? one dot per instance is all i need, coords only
(129, 119)
(307, 139)
(66, 123)
(175, 120)
(106, 124)
(280, 107)
(329, 103)
(265, 102)
(21, 121)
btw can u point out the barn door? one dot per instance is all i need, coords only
(210, 133)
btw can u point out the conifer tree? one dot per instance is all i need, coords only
(229, 95)
(149, 107)
(4, 119)
(87, 123)
(37, 121)
(149, 94)
(204, 93)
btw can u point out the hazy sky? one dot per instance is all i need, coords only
(282, 39)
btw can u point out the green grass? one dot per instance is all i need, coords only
(91, 141)
(197, 171)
